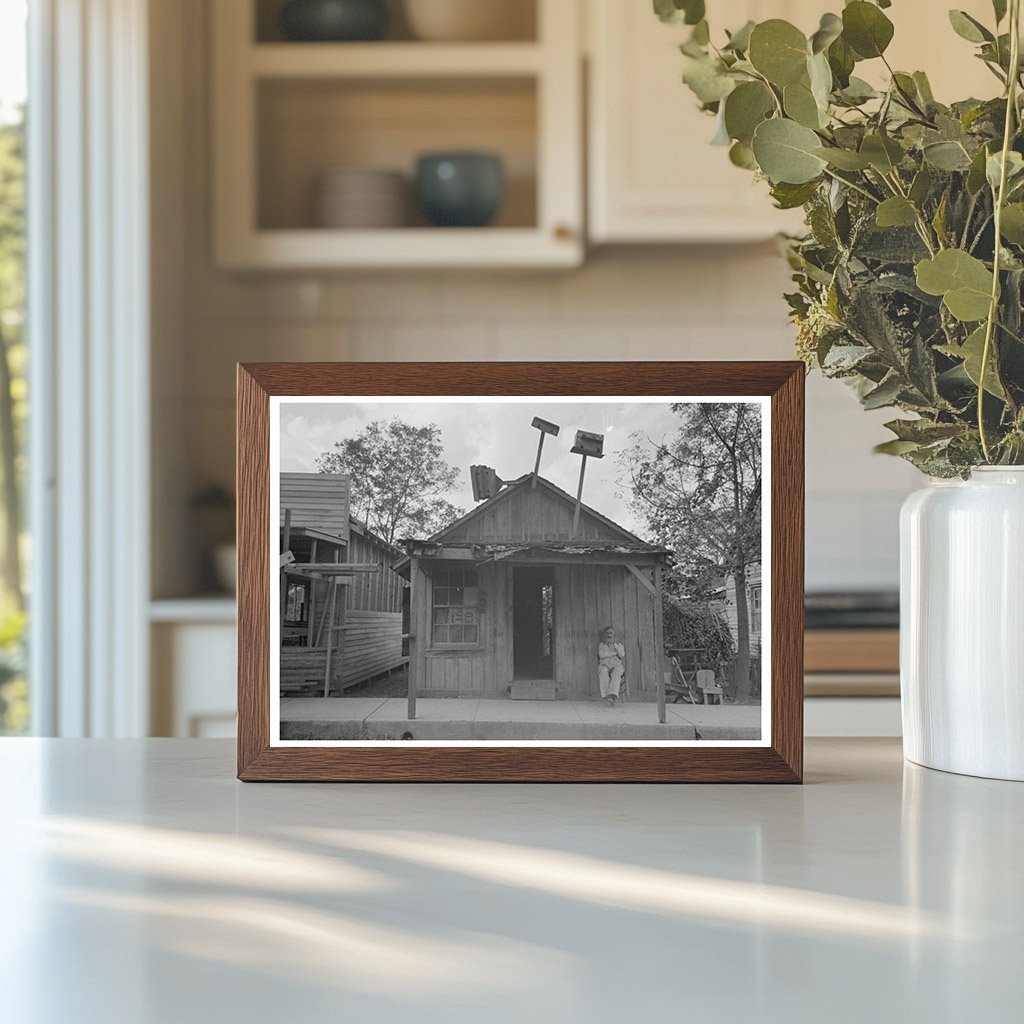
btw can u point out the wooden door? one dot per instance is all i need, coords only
(533, 622)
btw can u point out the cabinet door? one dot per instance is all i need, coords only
(654, 175)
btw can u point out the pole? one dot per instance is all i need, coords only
(579, 497)
(659, 642)
(536, 467)
(414, 568)
(286, 543)
(330, 637)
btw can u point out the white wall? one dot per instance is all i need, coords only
(656, 303)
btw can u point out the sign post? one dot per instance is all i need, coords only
(590, 446)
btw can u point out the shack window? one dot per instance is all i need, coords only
(755, 609)
(455, 611)
(296, 605)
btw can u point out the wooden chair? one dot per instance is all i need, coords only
(708, 687)
(678, 684)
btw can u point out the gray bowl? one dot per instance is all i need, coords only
(334, 20)
(461, 190)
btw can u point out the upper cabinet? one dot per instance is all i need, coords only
(653, 174)
(316, 143)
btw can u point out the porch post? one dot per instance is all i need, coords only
(414, 568)
(330, 635)
(659, 642)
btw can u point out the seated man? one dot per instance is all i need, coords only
(611, 665)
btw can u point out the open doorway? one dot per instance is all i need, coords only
(533, 622)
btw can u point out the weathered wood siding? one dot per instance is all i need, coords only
(369, 591)
(373, 644)
(525, 514)
(482, 671)
(588, 598)
(318, 501)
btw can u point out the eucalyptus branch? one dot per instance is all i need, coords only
(1000, 199)
(853, 185)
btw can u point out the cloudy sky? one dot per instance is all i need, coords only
(496, 434)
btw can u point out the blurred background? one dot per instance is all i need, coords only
(210, 183)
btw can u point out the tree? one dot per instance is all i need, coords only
(12, 354)
(399, 478)
(699, 491)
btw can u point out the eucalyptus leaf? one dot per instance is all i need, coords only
(963, 281)
(994, 169)
(800, 105)
(841, 60)
(739, 41)
(972, 353)
(895, 447)
(866, 30)
(976, 178)
(708, 80)
(924, 87)
(884, 395)
(819, 74)
(789, 197)
(1012, 224)
(844, 159)
(969, 28)
(883, 153)
(947, 156)
(921, 185)
(745, 108)
(786, 152)
(895, 212)
(741, 155)
(779, 51)
(675, 12)
(829, 30)
(999, 8)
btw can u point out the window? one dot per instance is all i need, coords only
(755, 609)
(455, 608)
(14, 703)
(296, 603)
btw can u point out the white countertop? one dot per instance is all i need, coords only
(143, 885)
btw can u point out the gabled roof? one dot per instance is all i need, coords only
(554, 491)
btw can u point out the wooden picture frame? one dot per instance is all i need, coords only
(779, 759)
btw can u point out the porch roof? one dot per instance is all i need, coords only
(593, 552)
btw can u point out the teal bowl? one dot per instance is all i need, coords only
(460, 190)
(334, 21)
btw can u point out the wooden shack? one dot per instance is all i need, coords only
(509, 602)
(341, 600)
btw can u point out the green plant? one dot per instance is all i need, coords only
(911, 275)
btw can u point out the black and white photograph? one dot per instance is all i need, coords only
(559, 571)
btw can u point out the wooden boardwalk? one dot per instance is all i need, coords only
(379, 718)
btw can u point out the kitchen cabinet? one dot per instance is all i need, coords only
(653, 175)
(286, 113)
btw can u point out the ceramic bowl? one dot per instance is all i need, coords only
(360, 197)
(469, 20)
(460, 189)
(334, 20)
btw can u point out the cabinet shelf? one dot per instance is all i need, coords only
(310, 248)
(286, 113)
(393, 60)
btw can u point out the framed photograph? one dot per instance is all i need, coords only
(557, 572)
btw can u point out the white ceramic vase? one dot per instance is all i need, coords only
(962, 624)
